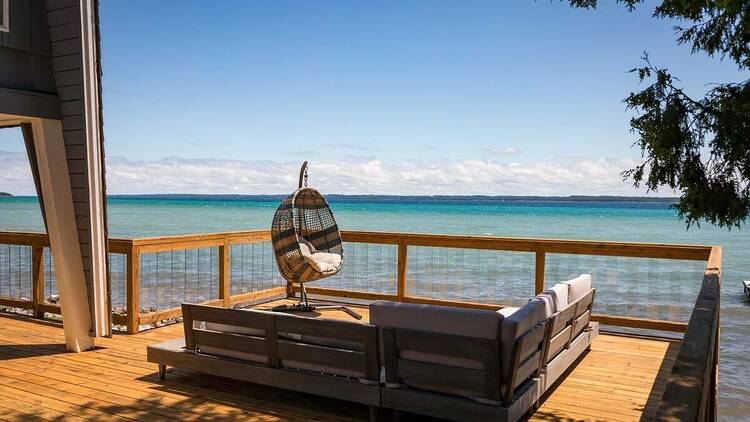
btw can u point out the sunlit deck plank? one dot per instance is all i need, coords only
(620, 379)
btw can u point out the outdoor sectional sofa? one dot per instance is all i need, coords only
(454, 363)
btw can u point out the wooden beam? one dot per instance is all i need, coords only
(132, 282)
(539, 274)
(224, 268)
(324, 291)
(37, 279)
(252, 236)
(575, 247)
(561, 246)
(644, 323)
(152, 317)
(63, 235)
(16, 303)
(23, 238)
(402, 267)
(254, 296)
(118, 319)
(691, 393)
(28, 140)
(175, 246)
(29, 104)
(714, 261)
(120, 246)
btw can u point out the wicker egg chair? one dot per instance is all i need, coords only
(307, 243)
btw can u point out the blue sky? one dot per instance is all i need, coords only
(387, 89)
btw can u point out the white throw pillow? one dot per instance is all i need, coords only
(305, 246)
(549, 302)
(578, 287)
(323, 262)
(560, 294)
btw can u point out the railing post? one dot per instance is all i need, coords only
(224, 260)
(132, 282)
(37, 279)
(402, 264)
(539, 275)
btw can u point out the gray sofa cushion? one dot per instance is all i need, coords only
(508, 311)
(516, 326)
(437, 319)
(578, 287)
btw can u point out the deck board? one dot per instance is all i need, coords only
(621, 379)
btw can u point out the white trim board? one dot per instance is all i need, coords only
(101, 311)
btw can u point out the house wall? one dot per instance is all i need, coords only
(64, 23)
(42, 75)
(27, 83)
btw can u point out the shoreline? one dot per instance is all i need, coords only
(396, 199)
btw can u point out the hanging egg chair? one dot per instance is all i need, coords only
(306, 243)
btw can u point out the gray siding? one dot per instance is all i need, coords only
(28, 27)
(41, 75)
(25, 57)
(64, 22)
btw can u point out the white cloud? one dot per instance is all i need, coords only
(348, 176)
(503, 150)
(15, 173)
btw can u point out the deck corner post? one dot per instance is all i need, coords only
(224, 264)
(402, 265)
(37, 280)
(133, 257)
(539, 275)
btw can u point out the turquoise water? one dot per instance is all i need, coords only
(676, 281)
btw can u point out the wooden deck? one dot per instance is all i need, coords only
(621, 379)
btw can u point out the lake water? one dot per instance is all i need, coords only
(625, 286)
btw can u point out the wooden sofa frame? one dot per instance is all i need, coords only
(185, 353)
(562, 330)
(556, 338)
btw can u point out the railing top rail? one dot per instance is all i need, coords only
(690, 394)
(24, 238)
(233, 236)
(562, 246)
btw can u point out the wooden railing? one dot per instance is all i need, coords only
(692, 389)
(133, 249)
(693, 383)
(38, 242)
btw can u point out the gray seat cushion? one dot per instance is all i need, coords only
(516, 326)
